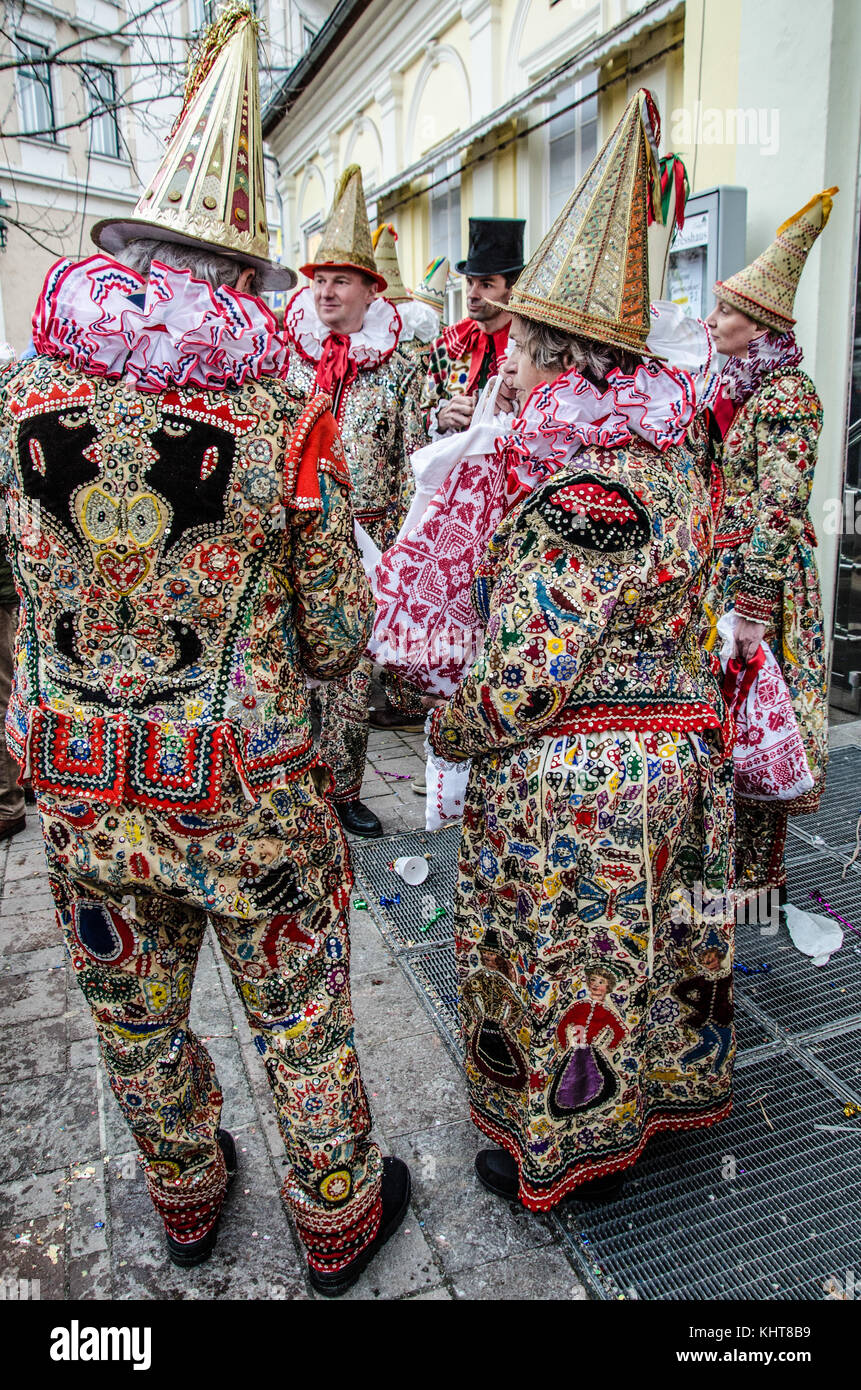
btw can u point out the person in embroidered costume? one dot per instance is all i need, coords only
(470, 352)
(343, 334)
(195, 560)
(764, 565)
(596, 835)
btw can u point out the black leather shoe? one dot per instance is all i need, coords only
(8, 828)
(396, 1190)
(187, 1256)
(600, 1189)
(392, 719)
(497, 1171)
(358, 820)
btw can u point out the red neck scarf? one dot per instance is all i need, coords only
(468, 338)
(335, 370)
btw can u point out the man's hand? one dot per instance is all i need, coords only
(432, 701)
(747, 638)
(507, 399)
(457, 413)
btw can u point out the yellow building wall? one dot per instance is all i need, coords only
(711, 82)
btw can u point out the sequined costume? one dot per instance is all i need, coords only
(461, 362)
(377, 409)
(194, 560)
(764, 566)
(597, 810)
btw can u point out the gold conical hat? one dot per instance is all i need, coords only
(209, 189)
(590, 275)
(432, 288)
(386, 257)
(347, 234)
(765, 289)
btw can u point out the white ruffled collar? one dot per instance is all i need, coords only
(374, 343)
(186, 334)
(657, 403)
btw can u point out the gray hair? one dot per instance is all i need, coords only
(204, 265)
(554, 349)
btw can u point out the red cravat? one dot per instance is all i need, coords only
(335, 369)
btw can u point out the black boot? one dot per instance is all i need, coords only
(497, 1171)
(600, 1189)
(187, 1256)
(395, 1193)
(391, 718)
(358, 820)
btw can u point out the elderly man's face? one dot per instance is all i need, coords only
(341, 298)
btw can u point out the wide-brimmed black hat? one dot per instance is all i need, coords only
(495, 246)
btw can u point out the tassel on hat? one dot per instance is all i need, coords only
(209, 189)
(386, 258)
(346, 240)
(765, 289)
(590, 275)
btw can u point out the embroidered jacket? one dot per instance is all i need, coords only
(380, 423)
(190, 558)
(769, 456)
(590, 589)
(449, 367)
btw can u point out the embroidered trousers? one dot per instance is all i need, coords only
(133, 890)
(11, 795)
(344, 723)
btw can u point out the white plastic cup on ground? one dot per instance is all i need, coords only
(413, 869)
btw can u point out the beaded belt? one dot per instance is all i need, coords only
(726, 540)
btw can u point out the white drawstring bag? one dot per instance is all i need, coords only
(769, 759)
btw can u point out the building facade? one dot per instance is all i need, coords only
(89, 91)
(496, 107)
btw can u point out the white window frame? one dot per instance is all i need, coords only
(586, 87)
(29, 83)
(108, 119)
(448, 244)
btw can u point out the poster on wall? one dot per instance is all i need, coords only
(687, 269)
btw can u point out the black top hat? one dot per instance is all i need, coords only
(495, 246)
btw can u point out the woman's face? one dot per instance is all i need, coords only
(732, 330)
(519, 371)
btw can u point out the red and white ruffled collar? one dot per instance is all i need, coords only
(657, 403)
(186, 334)
(374, 343)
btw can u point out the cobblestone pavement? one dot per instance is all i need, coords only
(74, 1213)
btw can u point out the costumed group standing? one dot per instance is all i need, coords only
(199, 474)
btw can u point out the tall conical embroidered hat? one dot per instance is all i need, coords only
(590, 275)
(386, 257)
(347, 233)
(765, 289)
(432, 288)
(209, 189)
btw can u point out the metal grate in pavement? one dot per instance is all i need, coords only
(844, 1063)
(408, 923)
(751, 1031)
(739, 1210)
(796, 994)
(435, 974)
(834, 823)
(754, 1207)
